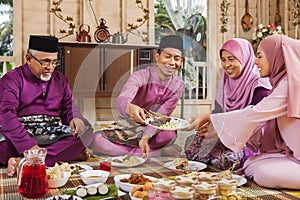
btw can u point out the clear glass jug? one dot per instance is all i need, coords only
(32, 178)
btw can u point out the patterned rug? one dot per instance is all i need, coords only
(154, 167)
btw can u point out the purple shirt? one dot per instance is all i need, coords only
(22, 94)
(145, 89)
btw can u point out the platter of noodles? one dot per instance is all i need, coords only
(167, 123)
(126, 161)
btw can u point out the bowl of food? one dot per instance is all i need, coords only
(94, 176)
(54, 182)
(182, 192)
(140, 191)
(126, 182)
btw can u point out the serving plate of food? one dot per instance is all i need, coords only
(241, 180)
(191, 165)
(126, 161)
(167, 123)
(76, 169)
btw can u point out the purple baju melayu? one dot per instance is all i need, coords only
(22, 94)
(145, 89)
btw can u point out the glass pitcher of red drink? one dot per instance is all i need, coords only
(32, 178)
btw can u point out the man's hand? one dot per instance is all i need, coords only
(136, 113)
(144, 145)
(77, 126)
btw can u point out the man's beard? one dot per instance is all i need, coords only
(45, 78)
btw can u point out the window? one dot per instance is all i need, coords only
(189, 18)
(12, 13)
(6, 35)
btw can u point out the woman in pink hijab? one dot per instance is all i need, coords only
(241, 85)
(278, 164)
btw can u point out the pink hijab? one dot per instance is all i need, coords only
(238, 93)
(283, 55)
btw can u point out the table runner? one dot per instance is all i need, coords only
(154, 167)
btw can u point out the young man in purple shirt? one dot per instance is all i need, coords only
(156, 88)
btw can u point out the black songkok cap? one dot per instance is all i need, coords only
(171, 41)
(43, 43)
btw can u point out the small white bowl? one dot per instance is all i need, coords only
(59, 182)
(94, 176)
(132, 197)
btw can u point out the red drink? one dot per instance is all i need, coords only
(105, 165)
(33, 183)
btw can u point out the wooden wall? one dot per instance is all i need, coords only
(35, 18)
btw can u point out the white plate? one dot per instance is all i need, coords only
(116, 164)
(64, 196)
(193, 165)
(241, 180)
(178, 123)
(84, 168)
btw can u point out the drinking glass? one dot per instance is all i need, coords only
(105, 164)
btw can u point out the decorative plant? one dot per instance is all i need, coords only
(57, 11)
(296, 12)
(140, 21)
(262, 32)
(224, 18)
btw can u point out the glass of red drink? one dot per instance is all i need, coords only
(105, 164)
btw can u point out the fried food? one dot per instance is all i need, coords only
(136, 179)
(181, 163)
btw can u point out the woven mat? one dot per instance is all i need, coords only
(9, 191)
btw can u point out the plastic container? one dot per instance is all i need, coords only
(185, 180)
(205, 190)
(226, 187)
(163, 184)
(209, 177)
(159, 195)
(182, 192)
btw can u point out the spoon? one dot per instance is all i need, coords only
(247, 21)
(277, 16)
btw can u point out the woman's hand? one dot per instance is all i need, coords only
(193, 124)
(136, 113)
(77, 126)
(203, 124)
(144, 145)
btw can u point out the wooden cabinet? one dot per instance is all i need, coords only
(96, 70)
(100, 70)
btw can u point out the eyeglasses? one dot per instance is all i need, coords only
(46, 63)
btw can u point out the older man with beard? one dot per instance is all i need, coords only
(38, 110)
